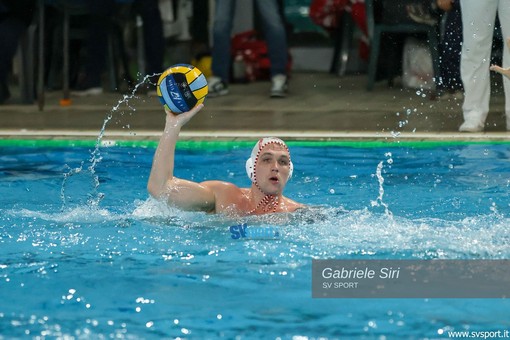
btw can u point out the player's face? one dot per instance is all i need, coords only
(272, 169)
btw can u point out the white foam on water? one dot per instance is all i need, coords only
(160, 213)
(152, 208)
(77, 214)
(318, 231)
(363, 232)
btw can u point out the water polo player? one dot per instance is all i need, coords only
(269, 169)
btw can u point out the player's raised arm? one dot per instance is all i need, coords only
(162, 183)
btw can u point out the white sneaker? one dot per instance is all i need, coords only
(279, 86)
(217, 87)
(457, 96)
(91, 91)
(471, 127)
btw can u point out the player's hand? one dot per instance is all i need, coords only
(501, 70)
(445, 5)
(178, 120)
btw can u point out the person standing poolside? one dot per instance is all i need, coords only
(269, 169)
(275, 36)
(15, 17)
(101, 17)
(478, 19)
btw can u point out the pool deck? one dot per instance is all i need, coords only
(319, 106)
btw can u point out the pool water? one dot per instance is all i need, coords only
(85, 253)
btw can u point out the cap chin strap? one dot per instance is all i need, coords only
(269, 203)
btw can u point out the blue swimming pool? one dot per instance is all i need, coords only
(85, 253)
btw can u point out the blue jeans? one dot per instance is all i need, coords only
(274, 32)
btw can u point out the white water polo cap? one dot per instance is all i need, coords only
(255, 153)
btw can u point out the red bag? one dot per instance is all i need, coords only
(326, 13)
(250, 58)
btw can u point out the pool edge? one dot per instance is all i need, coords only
(229, 135)
(214, 139)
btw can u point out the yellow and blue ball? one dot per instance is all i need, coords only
(182, 87)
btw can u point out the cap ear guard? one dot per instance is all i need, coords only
(249, 169)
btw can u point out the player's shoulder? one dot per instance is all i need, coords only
(292, 205)
(221, 186)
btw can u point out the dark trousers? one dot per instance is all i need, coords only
(451, 47)
(101, 19)
(15, 16)
(11, 29)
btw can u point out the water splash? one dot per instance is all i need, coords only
(67, 175)
(317, 232)
(74, 216)
(378, 173)
(94, 196)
